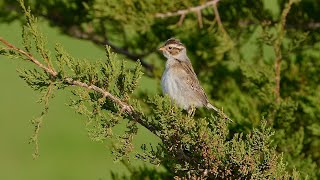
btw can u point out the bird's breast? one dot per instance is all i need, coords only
(171, 82)
(173, 86)
(178, 84)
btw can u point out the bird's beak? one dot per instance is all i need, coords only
(161, 48)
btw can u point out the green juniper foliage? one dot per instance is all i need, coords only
(260, 64)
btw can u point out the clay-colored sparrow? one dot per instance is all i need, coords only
(180, 81)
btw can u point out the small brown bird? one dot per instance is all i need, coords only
(180, 81)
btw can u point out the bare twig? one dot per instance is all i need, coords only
(181, 19)
(123, 105)
(184, 12)
(199, 19)
(197, 10)
(187, 11)
(220, 25)
(277, 49)
(30, 57)
(218, 19)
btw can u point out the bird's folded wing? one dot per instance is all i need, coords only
(193, 81)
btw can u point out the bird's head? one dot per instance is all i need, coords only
(173, 48)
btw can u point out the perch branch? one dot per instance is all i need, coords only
(124, 106)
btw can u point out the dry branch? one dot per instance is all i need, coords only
(197, 11)
(218, 19)
(187, 11)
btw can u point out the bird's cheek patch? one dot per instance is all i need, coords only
(174, 51)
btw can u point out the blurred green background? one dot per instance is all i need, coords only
(66, 152)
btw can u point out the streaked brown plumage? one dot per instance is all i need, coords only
(179, 80)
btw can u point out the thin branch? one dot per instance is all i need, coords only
(184, 12)
(38, 121)
(216, 13)
(313, 25)
(197, 10)
(199, 19)
(187, 11)
(124, 106)
(277, 49)
(30, 57)
(181, 19)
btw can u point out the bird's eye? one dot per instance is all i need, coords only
(170, 47)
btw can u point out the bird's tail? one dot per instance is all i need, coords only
(210, 106)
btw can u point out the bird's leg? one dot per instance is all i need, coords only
(191, 111)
